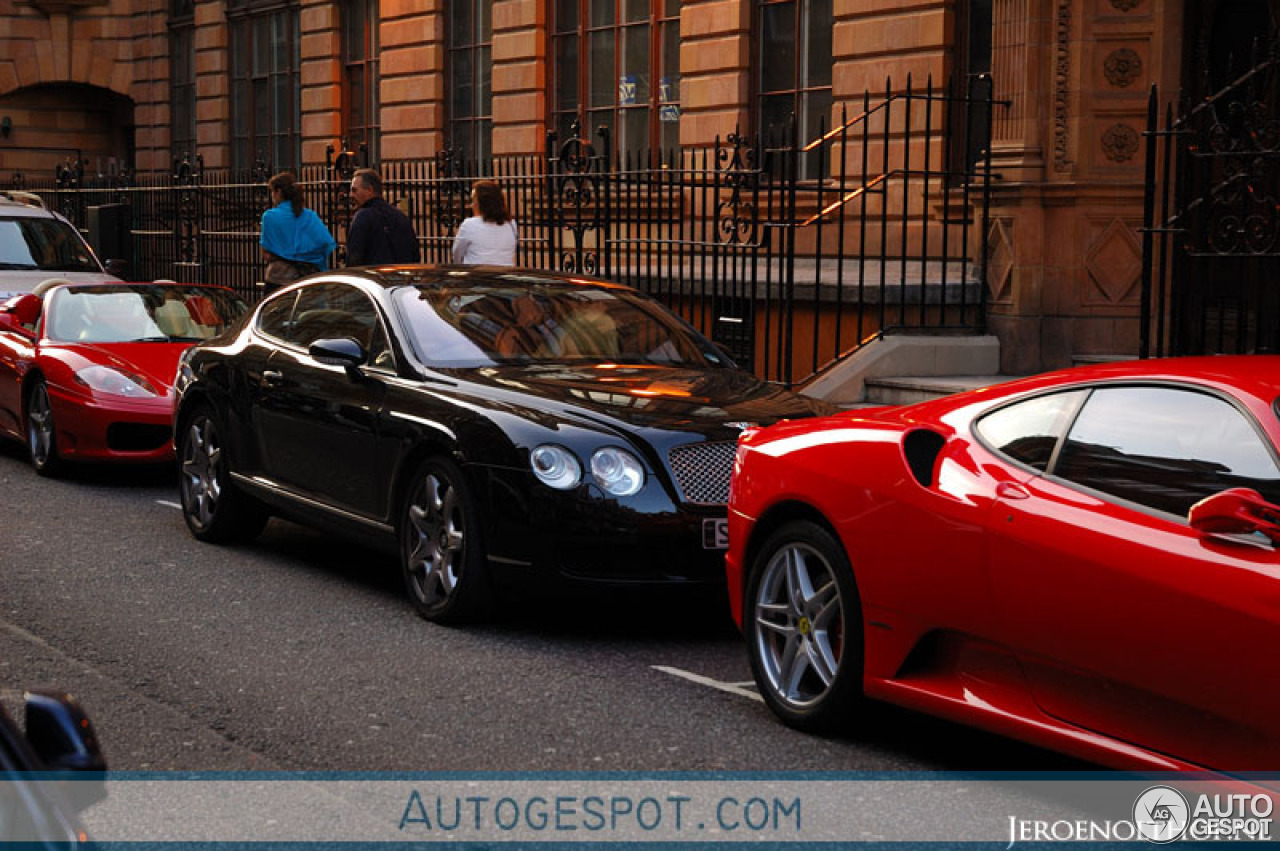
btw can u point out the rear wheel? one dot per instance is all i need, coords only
(214, 509)
(804, 627)
(41, 436)
(441, 554)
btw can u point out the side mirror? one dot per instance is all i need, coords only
(116, 266)
(1238, 511)
(59, 732)
(340, 351)
(8, 322)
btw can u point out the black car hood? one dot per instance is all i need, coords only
(698, 400)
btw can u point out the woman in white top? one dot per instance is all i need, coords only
(489, 237)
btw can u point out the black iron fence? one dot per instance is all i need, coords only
(789, 252)
(1211, 248)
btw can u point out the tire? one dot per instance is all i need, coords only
(442, 556)
(215, 511)
(803, 624)
(42, 443)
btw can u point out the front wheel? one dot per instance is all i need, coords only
(214, 509)
(441, 554)
(803, 624)
(42, 442)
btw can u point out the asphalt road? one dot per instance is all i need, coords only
(300, 652)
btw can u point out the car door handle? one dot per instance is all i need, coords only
(1012, 490)
(271, 378)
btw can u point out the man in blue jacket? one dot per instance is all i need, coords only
(379, 233)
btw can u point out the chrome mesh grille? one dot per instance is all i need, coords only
(702, 471)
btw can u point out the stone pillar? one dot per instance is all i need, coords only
(213, 84)
(1070, 156)
(715, 80)
(519, 76)
(321, 78)
(412, 39)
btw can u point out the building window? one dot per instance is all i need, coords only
(182, 78)
(470, 76)
(617, 64)
(265, 113)
(970, 129)
(794, 53)
(360, 73)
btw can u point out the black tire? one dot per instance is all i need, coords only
(42, 441)
(803, 624)
(442, 556)
(214, 509)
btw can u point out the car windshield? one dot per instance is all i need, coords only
(120, 313)
(482, 324)
(45, 245)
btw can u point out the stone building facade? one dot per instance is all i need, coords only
(135, 83)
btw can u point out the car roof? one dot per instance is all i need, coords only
(17, 204)
(495, 276)
(1253, 375)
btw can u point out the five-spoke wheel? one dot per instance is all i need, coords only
(41, 441)
(440, 549)
(214, 510)
(804, 627)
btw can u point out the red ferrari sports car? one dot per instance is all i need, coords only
(86, 370)
(1086, 560)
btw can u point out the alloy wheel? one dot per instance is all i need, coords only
(40, 426)
(201, 459)
(800, 625)
(437, 537)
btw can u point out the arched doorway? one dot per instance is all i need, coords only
(51, 125)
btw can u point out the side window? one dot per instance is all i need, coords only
(1028, 431)
(273, 319)
(327, 311)
(1165, 448)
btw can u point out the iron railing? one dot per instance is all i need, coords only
(788, 253)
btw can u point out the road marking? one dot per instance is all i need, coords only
(169, 504)
(732, 688)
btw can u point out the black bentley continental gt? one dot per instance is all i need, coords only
(492, 424)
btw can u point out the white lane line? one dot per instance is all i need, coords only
(169, 504)
(731, 688)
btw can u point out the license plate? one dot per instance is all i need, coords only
(715, 533)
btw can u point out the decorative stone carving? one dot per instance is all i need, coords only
(1120, 143)
(1114, 264)
(1125, 5)
(1061, 77)
(1122, 67)
(1000, 261)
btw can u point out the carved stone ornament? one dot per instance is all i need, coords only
(1120, 143)
(1061, 76)
(1125, 5)
(1122, 67)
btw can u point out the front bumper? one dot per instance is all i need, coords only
(91, 428)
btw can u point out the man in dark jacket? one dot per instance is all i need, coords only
(379, 232)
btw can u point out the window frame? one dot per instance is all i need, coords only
(802, 88)
(472, 134)
(182, 78)
(1050, 473)
(659, 101)
(245, 18)
(367, 98)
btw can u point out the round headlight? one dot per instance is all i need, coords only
(555, 466)
(617, 471)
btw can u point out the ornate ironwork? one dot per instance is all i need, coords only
(187, 179)
(453, 197)
(737, 220)
(578, 187)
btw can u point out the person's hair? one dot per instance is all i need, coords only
(370, 179)
(289, 190)
(492, 204)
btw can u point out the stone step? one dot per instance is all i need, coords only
(906, 390)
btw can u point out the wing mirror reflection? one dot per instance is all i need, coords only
(1238, 511)
(59, 732)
